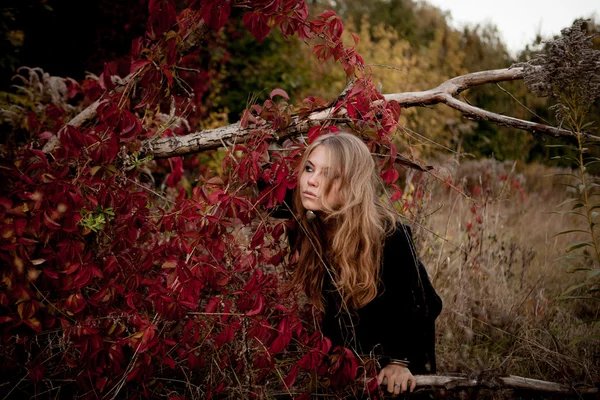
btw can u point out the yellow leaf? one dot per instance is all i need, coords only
(33, 274)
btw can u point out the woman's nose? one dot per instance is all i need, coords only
(312, 180)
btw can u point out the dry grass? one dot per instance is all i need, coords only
(500, 280)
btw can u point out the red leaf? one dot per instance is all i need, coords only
(216, 196)
(289, 380)
(336, 28)
(344, 367)
(257, 24)
(247, 117)
(105, 78)
(130, 125)
(216, 12)
(397, 195)
(138, 64)
(20, 225)
(283, 338)
(258, 238)
(162, 16)
(225, 336)
(169, 362)
(394, 108)
(322, 51)
(353, 112)
(314, 133)
(390, 176)
(51, 273)
(258, 306)
(212, 305)
(279, 92)
(167, 72)
(272, 7)
(176, 171)
(280, 192)
(131, 375)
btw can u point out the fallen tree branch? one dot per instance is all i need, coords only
(503, 382)
(455, 86)
(230, 135)
(444, 93)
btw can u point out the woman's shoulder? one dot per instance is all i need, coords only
(399, 245)
(400, 234)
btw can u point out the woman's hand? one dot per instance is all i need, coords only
(399, 379)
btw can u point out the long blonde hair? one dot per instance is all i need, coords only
(354, 251)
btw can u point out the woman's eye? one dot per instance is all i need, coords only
(308, 168)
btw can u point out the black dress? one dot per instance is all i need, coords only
(399, 322)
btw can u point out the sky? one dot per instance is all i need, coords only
(518, 21)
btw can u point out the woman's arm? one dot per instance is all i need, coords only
(404, 313)
(400, 321)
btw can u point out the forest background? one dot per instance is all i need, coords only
(488, 218)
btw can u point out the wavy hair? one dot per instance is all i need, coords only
(353, 251)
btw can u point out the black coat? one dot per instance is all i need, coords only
(400, 322)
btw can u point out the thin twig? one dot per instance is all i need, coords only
(521, 104)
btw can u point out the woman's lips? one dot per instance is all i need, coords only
(309, 195)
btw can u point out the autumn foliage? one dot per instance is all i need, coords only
(118, 281)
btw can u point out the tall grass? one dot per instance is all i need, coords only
(492, 255)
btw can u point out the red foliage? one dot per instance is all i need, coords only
(111, 284)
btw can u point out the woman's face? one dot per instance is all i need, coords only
(313, 180)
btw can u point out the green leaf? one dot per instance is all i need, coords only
(587, 124)
(578, 205)
(575, 287)
(565, 174)
(572, 199)
(569, 185)
(570, 231)
(567, 212)
(593, 273)
(582, 339)
(574, 160)
(577, 298)
(578, 269)
(569, 257)
(578, 245)
(587, 164)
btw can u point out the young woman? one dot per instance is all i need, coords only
(358, 265)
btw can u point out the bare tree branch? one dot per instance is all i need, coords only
(511, 381)
(455, 86)
(443, 94)
(470, 111)
(230, 134)
(446, 94)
